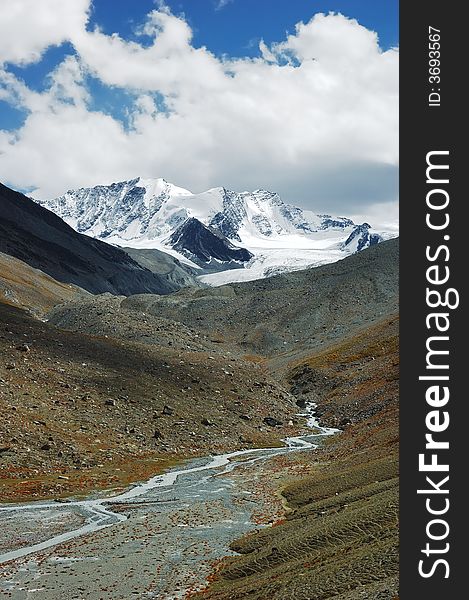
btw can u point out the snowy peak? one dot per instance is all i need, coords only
(122, 209)
(158, 187)
(149, 209)
(255, 229)
(231, 215)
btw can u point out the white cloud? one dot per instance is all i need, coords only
(171, 65)
(28, 27)
(314, 117)
(331, 39)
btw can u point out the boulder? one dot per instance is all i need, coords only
(272, 422)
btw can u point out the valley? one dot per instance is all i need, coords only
(162, 441)
(199, 300)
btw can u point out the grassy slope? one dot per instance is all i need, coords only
(31, 289)
(339, 539)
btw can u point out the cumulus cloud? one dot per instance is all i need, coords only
(171, 65)
(28, 27)
(314, 117)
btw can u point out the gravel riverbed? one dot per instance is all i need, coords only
(160, 539)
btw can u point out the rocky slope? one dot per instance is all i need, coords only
(177, 274)
(83, 412)
(207, 247)
(293, 312)
(38, 237)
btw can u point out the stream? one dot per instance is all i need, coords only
(158, 539)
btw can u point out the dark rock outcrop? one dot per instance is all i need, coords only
(361, 238)
(203, 244)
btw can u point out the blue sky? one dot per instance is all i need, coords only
(234, 28)
(225, 27)
(195, 85)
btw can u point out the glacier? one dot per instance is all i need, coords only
(146, 213)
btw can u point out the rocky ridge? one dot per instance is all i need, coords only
(41, 239)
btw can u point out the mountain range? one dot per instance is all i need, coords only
(214, 231)
(44, 241)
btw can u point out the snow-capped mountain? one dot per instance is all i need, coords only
(269, 235)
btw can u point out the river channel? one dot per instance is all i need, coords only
(158, 539)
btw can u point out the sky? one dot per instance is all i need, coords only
(297, 96)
